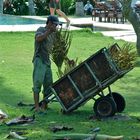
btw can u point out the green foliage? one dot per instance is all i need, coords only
(61, 47)
(42, 7)
(125, 56)
(16, 7)
(60, 50)
(68, 66)
(20, 7)
(65, 4)
(71, 9)
(126, 7)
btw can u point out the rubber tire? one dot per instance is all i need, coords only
(104, 107)
(119, 100)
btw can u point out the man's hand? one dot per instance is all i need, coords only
(50, 29)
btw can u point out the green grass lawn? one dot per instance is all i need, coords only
(16, 51)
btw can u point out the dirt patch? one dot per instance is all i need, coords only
(116, 117)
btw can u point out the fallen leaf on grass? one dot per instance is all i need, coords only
(21, 120)
(59, 128)
(15, 135)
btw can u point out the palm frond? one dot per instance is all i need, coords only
(125, 57)
(61, 46)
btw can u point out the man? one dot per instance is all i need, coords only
(55, 5)
(88, 8)
(42, 74)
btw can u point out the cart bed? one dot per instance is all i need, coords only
(87, 80)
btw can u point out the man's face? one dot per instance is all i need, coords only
(55, 25)
(52, 26)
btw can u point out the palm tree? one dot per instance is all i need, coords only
(1, 6)
(31, 7)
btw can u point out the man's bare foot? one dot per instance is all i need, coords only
(44, 106)
(37, 109)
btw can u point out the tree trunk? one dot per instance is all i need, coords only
(1, 6)
(79, 8)
(138, 43)
(134, 19)
(31, 7)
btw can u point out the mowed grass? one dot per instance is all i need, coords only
(16, 51)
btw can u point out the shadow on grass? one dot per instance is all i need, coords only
(137, 64)
(8, 96)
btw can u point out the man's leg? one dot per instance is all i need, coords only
(52, 7)
(48, 80)
(62, 14)
(36, 101)
(52, 11)
(44, 104)
(38, 78)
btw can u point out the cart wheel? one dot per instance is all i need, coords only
(119, 100)
(104, 107)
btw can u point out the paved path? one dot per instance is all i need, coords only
(125, 32)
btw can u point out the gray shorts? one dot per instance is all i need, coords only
(54, 4)
(42, 76)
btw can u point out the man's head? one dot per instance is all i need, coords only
(53, 19)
